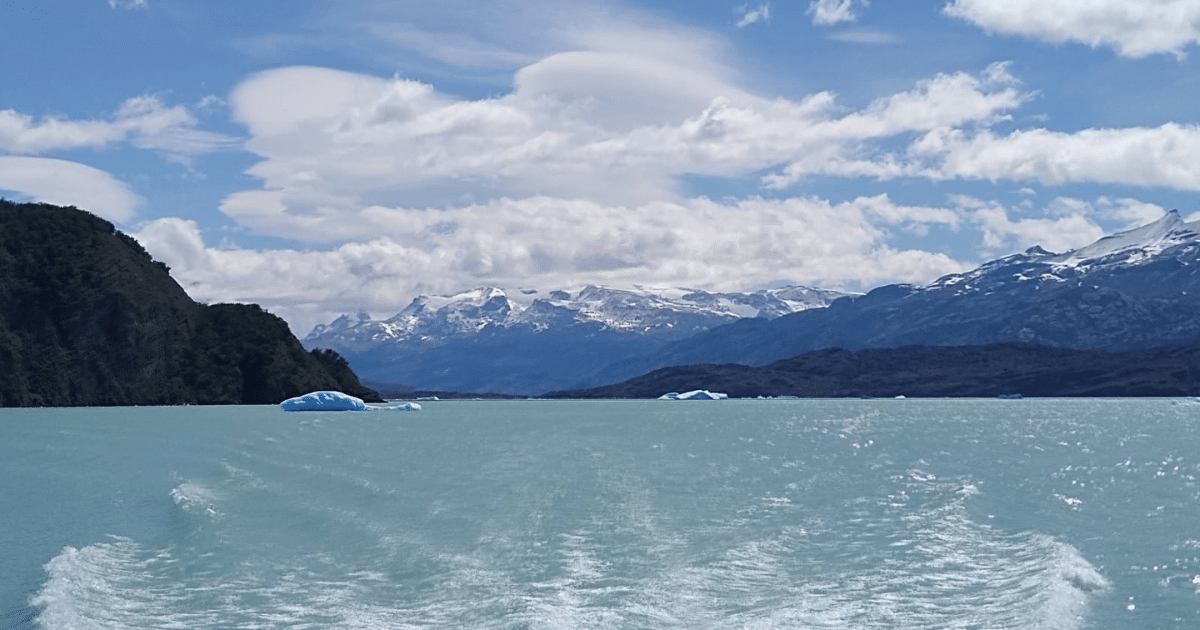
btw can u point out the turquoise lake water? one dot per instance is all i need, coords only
(872, 514)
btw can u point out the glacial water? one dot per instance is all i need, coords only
(871, 514)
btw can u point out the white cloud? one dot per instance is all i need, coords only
(144, 121)
(19, 133)
(1126, 212)
(485, 41)
(1131, 212)
(68, 184)
(1168, 156)
(750, 15)
(829, 12)
(617, 91)
(1134, 28)
(326, 134)
(1004, 235)
(128, 4)
(608, 127)
(948, 101)
(551, 243)
(212, 101)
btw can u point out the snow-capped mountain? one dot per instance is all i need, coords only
(673, 313)
(1132, 290)
(490, 340)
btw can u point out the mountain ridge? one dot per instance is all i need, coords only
(624, 309)
(1133, 290)
(488, 340)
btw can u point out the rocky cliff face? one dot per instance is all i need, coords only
(88, 318)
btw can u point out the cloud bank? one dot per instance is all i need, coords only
(333, 143)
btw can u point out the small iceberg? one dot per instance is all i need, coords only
(337, 401)
(324, 401)
(696, 394)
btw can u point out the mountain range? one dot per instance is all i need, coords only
(1133, 290)
(488, 340)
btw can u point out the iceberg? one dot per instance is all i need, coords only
(696, 394)
(324, 401)
(337, 401)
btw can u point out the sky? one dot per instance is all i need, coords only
(324, 157)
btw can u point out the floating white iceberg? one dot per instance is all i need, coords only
(337, 401)
(324, 401)
(696, 394)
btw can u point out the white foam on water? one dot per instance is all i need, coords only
(106, 585)
(944, 572)
(196, 498)
(119, 584)
(969, 490)
(950, 574)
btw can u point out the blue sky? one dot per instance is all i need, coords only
(323, 157)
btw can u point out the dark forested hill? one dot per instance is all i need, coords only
(88, 318)
(933, 371)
